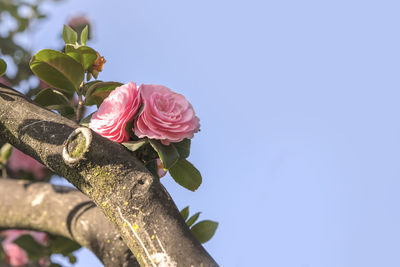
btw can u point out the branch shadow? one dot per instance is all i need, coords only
(48, 132)
(77, 212)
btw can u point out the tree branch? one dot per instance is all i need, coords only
(63, 211)
(134, 200)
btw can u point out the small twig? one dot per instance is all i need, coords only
(80, 104)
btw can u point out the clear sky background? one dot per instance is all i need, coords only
(299, 106)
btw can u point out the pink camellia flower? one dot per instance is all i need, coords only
(22, 162)
(115, 112)
(166, 115)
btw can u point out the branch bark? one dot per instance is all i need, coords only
(134, 200)
(63, 211)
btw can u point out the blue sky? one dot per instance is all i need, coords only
(298, 101)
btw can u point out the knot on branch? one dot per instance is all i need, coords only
(77, 145)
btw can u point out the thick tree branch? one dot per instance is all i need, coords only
(134, 200)
(63, 211)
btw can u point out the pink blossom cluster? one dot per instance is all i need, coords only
(158, 113)
(22, 162)
(16, 256)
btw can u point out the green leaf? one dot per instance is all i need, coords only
(89, 85)
(193, 219)
(185, 212)
(3, 67)
(49, 97)
(5, 152)
(185, 174)
(98, 91)
(84, 35)
(55, 100)
(168, 154)
(204, 230)
(62, 245)
(69, 35)
(134, 145)
(34, 250)
(129, 128)
(57, 70)
(183, 148)
(82, 54)
(64, 110)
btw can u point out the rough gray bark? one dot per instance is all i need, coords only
(63, 211)
(134, 200)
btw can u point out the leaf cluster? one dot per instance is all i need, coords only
(37, 251)
(173, 157)
(19, 55)
(203, 230)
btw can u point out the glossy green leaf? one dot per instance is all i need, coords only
(98, 91)
(134, 145)
(62, 245)
(3, 67)
(185, 212)
(168, 154)
(57, 70)
(204, 230)
(69, 35)
(49, 97)
(183, 148)
(185, 174)
(84, 35)
(83, 54)
(55, 100)
(64, 110)
(193, 219)
(89, 85)
(34, 250)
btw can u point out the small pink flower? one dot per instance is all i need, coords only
(166, 115)
(16, 256)
(40, 237)
(115, 112)
(22, 162)
(13, 234)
